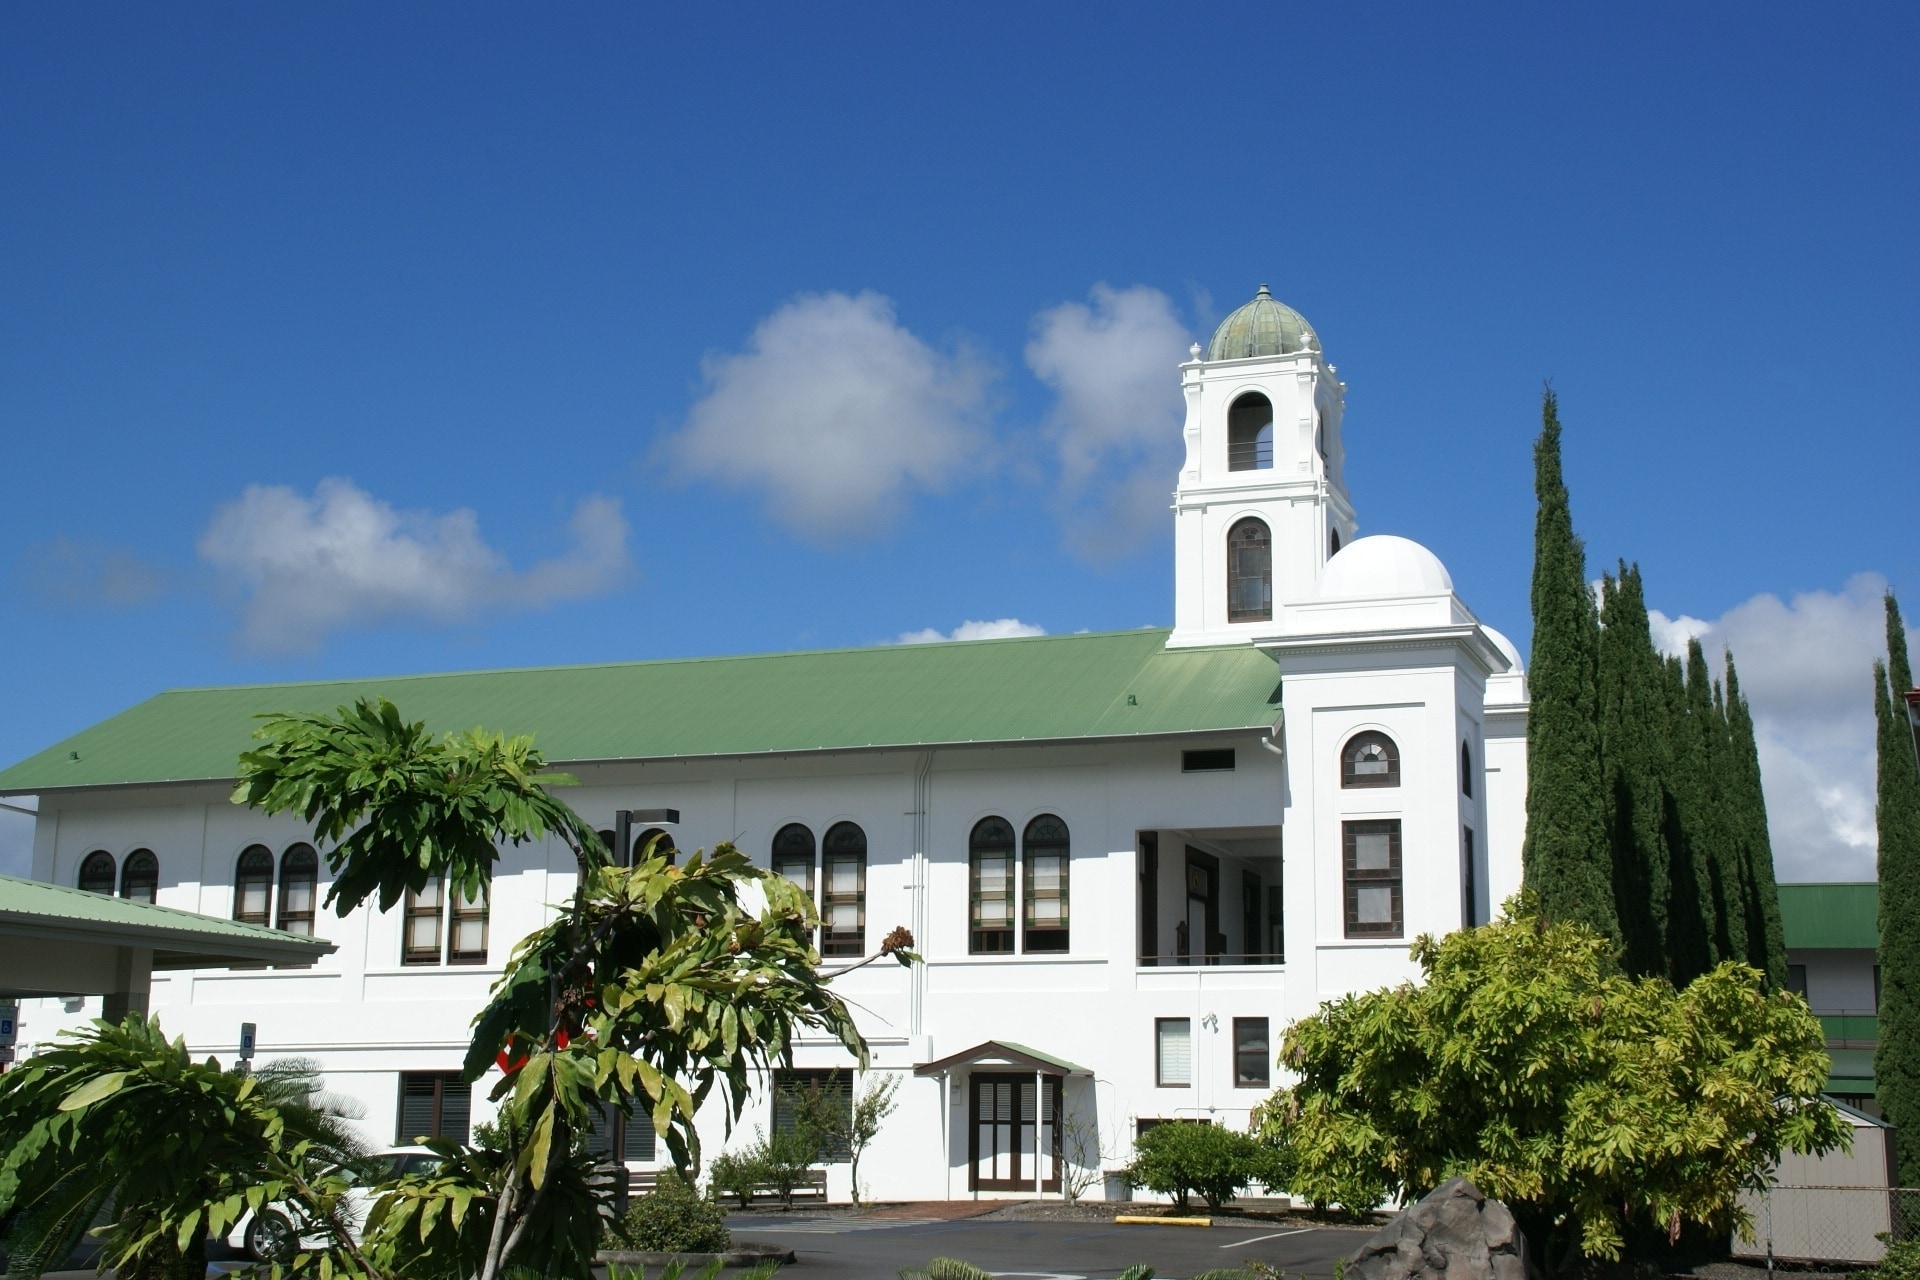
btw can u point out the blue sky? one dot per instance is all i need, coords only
(351, 340)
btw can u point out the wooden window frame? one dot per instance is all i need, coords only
(1049, 1091)
(461, 911)
(784, 861)
(1160, 1058)
(287, 918)
(843, 942)
(1350, 758)
(1050, 937)
(141, 868)
(984, 936)
(261, 874)
(91, 869)
(1354, 879)
(443, 1085)
(1241, 535)
(437, 913)
(1242, 1031)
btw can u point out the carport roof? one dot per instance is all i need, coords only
(178, 939)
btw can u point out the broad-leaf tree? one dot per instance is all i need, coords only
(656, 985)
(1604, 1110)
(117, 1119)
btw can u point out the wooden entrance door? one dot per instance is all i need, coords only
(1009, 1145)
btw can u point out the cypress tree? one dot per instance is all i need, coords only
(1633, 750)
(1729, 873)
(1766, 944)
(1566, 859)
(1896, 1056)
(1692, 926)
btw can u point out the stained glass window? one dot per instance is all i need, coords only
(990, 849)
(843, 891)
(140, 876)
(1249, 572)
(1047, 857)
(253, 885)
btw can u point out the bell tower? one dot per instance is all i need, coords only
(1260, 505)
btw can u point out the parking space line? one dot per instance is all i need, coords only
(1275, 1236)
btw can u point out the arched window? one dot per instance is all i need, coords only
(1333, 543)
(1370, 760)
(843, 891)
(1047, 856)
(607, 841)
(253, 885)
(793, 859)
(990, 852)
(1250, 434)
(96, 872)
(662, 842)
(1466, 769)
(299, 882)
(1249, 572)
(140, 876)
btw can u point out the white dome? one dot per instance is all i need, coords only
(1505, 646)
(1383, 565)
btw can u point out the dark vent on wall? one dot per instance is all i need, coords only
(1215, 761)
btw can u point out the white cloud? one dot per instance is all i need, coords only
(997, 629)
(836, 412)
(1806, 668)
(1117, 417)
(304, 567)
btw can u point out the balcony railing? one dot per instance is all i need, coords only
(1178, 960)
(1850, 1029)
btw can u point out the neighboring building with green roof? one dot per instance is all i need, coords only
(1130, 859)
(1833, 942)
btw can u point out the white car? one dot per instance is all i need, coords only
(269, 1235)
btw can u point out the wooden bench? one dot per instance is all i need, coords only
(641, 1181)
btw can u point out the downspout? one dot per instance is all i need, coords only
(918, 912)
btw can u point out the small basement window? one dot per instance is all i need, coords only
(1215, 760)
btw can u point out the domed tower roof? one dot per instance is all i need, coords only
(1263, 327)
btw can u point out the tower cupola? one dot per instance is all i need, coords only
(1260, 504)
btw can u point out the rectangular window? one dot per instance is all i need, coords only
(1046, 899)
(421, 943)
(1374, 906)
(798, 1091)
(1219, 761)
(1797, 980)
(433, 1104)
(843, 906)
(468, 941)
(1250, 1054)
(1173, 1052)
(992, 931)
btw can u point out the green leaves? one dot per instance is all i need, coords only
(1598, 1106)
(396, 807)
(96, 1089)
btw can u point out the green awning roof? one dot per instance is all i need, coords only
(1831, 915)
(1003, 1053)
(1039, 689)
(32, 909)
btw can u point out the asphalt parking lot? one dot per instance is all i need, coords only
(869, 1249)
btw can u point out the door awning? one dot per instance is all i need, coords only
(1002, 1053)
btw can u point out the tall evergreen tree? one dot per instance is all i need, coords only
(1567, 860)
(1766, 943)
(1692, 925)
(1896, 1056)
(1633, 754)
(1729, 872)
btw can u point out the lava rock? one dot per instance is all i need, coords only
(1456, 1233)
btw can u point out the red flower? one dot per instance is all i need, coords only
(562, 1040)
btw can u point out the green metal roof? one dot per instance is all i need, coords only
(1831, 915)
(1044, 688)
(1263, 327)
(179, 939)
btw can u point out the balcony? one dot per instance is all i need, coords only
(1850, 1029)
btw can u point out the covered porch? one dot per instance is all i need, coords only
(1210, 896)
(1011, 1115)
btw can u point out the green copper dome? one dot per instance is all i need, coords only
(1262, 328)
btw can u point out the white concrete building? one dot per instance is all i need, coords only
(1130, 859)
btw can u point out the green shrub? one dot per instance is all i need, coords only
(1901, 1263)
(1179, 1158)
(945, 1269)
(674, 1218)
(786, 1160)
(736, 1173)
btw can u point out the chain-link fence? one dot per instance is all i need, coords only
(1828, 1224)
